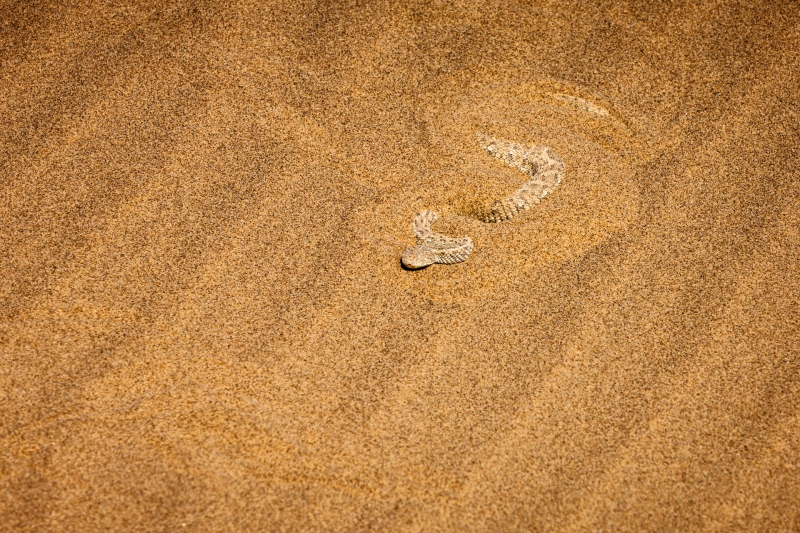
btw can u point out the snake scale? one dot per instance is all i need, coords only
(545, 169)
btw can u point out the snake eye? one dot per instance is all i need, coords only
(417, 257)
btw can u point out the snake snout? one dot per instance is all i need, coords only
(417, 257)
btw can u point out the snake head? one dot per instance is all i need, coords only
(418, 257)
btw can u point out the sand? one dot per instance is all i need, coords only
(204, 324)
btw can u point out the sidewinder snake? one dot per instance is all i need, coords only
(545, 169)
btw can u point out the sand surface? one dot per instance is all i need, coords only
(204, 324)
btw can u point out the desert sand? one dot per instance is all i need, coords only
(205, 326)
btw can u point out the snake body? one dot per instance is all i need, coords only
(545, 169)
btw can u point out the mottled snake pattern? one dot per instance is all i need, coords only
(543, 165)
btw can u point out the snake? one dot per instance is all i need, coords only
(545, 169)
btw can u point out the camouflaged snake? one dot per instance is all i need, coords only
(543, 165)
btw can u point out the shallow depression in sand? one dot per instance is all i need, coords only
(597, 198)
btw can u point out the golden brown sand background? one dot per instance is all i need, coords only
(204, 325)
